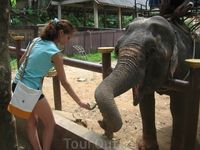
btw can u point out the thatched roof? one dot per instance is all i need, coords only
(122, 3)
(111, 6)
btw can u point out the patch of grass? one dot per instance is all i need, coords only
(93, 57)
(13, 64)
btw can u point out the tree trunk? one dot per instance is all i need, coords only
(8, 138)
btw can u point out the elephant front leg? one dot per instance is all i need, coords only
(149, 138)
(178, 110)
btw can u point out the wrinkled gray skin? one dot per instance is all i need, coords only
(149, 52)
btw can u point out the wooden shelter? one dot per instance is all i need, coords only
(106, 7)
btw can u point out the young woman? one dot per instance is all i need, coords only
(44, 55)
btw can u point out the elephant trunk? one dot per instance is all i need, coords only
(112, 121)
(125, 75)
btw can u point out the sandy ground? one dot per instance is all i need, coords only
(85, 82)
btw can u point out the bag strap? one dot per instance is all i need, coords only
(26, 58)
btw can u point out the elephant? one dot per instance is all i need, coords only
(150, 51)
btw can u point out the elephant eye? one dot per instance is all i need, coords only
(151, 50)
(150, 54)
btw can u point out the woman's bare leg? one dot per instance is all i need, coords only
(32, 131)
(44, 112)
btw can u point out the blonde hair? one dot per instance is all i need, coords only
(51, 30)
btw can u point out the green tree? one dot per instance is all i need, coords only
(32, 16)
(8, 138)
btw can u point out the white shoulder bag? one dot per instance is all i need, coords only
(24, 98)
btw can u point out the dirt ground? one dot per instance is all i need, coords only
(85, 82)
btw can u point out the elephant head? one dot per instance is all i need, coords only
(146, 59)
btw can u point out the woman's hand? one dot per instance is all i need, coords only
(84, 105)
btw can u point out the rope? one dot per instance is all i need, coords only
(192, 58)
(191, 35)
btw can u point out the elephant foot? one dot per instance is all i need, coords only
(108, 133)
(147, 145)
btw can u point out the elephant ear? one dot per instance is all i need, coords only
(174, 60)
